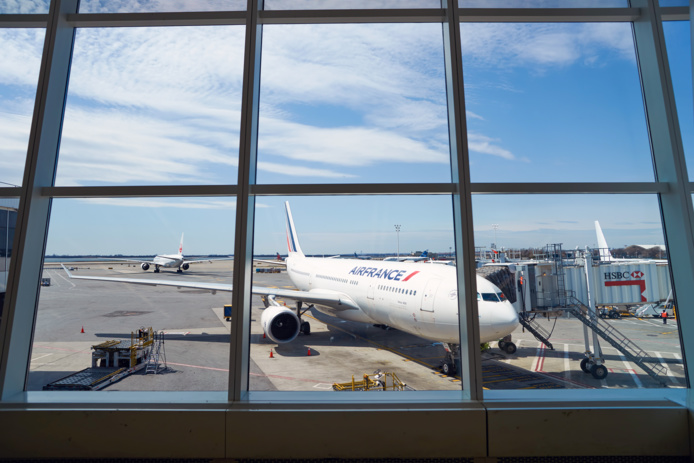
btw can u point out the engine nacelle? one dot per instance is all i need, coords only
(185, 266)
(145, 266)
(280, 324)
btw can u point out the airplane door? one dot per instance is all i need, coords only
(370, 292)
(428, 295)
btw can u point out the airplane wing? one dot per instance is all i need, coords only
(332, 299)
(187, 261)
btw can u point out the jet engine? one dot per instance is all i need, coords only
(185, 266)
(280, 323)
(145, 266)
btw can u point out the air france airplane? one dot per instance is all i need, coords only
(417, 298)
(170, 261)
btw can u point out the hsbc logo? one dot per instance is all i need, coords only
(635, 275)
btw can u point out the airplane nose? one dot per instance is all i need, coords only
(507, 318)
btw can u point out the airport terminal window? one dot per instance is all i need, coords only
(19, 70)
(345, 104)
(678, 41)
(180, 112)
(353, 104)
(537, 251)
(118, 238)
(587, 120)
(543, 3)
(154, 6)
(406, 308)
(348, 4)
(23, 7)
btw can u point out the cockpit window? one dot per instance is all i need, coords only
(490, 297)
(502, 297)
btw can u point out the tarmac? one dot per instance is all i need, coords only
(197, 341)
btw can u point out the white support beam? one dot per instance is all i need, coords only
(669, 164)
(34, 208)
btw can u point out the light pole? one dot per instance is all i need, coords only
(397, 233)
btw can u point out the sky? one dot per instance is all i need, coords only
(344, 104)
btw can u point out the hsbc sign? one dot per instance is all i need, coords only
(635, 275)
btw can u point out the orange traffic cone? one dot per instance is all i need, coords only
(309, 352)
(271, 356)
(82, 329)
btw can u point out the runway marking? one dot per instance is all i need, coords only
(631, 371)
(60, 274)
(670, 374)
(181, 333)
(42, 356)
(567, 365)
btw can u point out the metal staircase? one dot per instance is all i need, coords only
(157, 355)
(538, 331)
(620, 342)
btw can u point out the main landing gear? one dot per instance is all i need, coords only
(594, 366)
(156, 269)
(304, 326)
(507, 345)
(449, 367)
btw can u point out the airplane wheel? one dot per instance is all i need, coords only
(502, 344)
(179, 271)
(510, 348)
(584, 366)
(305, 328)
(448, 369)
(156, 270)
(599, 371)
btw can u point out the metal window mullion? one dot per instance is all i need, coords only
(245, 209)
(34, 208)
(470, 357)
(669, 164)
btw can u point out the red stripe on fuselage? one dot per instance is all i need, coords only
(410, 275)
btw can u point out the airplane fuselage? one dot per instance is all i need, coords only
(168, 260)
(418, 298)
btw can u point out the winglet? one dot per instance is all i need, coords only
(292, 239)
(66, 270)
(605, 254)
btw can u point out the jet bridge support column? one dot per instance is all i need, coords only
(593, 363)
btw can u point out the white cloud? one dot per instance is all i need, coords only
(21, 56)
(157, 203)
(542, 45)
(344, 146)
(299, 171)
(483, 144)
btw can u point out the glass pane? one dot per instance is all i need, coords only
(543, 3)
(679, 50)
(674, 2)
(353, 104)
(376, 293)
(154, 6)
(8, 224)
(546, 239)
(24, 7)
(152, 106)
(118, 238)
(554, 102)
(348, 4)
(19, 71)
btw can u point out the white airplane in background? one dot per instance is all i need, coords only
(423, 256)
(606, 255)
(416, 298)
(171, 261)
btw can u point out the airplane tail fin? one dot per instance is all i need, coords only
(605, 254)
(292, 238)
(279, 257)
(425, 253)
(180, 246)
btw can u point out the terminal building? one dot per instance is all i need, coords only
(153, 104)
